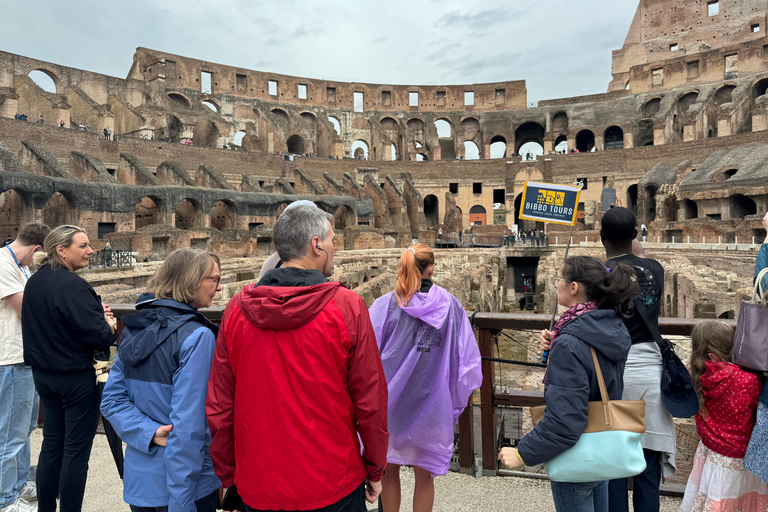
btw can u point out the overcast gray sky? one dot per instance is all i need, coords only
(560, 47)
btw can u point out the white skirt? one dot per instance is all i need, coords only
(722, 484)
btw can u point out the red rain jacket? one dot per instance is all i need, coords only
(730, 399)
(296, 377)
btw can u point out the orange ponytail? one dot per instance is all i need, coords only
(413, 262)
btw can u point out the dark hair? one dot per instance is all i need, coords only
(612, 289)
(619, 225)
(33, 234)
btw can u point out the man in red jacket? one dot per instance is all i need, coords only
(296, 378)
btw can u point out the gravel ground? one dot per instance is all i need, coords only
(454, 493)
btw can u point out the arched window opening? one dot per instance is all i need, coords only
(172, 129)
(44, 80)
(724, 95)
(444, 129)
(477, 215)
(529, 132)
(740, 206)
(211, 106)
(388, 124)
(644, 133)
(179, 100)
(238, 140)
(760, 88)
(585, 141)
(614, 138)
(148, 211)
(187, 214)
(561, 144)
(336, 124)
(689, 209)
(471, 151)
(58, 211)
(392, 152)
(431, 211)
(686, 101)
(560, 123)
(360, 150)
(343, 218)
(14, 209)
(651, 107)
(531, 150)
(632, 198)
(445, 138)
(498, 147)
(650, 203)
(295, 144)
(223, 215)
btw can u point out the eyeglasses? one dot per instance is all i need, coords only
(215, 279)
(556, 279)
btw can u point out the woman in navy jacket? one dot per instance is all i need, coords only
(596, 299)
(155, 395)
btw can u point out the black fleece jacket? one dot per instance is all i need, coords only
(62, 322)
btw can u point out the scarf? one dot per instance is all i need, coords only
(571, 313)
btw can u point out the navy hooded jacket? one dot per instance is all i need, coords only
(572, 383)
(160, 377)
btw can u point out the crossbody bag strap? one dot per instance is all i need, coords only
(607, 416)
(640, 308)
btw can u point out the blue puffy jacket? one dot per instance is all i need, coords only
(572, 383)
(160, 377)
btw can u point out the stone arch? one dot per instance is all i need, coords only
(393, 155)
(528, 174)
(46, 79)
(224, 215)
(477, 215)
(360, 123)
(689, 209)
(343, 218)
(585, 141)
(686, 100)
(445, 138)
(432, 210)
(179, 100)
(670, 209)
(188, 214)
(148, 211)
(561, 144)
(15, 211)
(471, 127)
(238, 138)
(740, 206)
(336, 124)
(444, 128)
(724, 175)
(498, 147)
(360, 149)
(309, 120)
(760, 88)
(614, 138)
(415, 124)
(471, 150)
(212, 104)
(295, 144)
(280, 115)
(651, 107)
(388, 124)
(724, 95)
(59, 210)
(529, 132)
(280, 209)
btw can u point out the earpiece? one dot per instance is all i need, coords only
(318, 247)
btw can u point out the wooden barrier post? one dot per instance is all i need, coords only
(467, 439)
(488, 415)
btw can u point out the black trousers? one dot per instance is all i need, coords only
(70, 417)
(207, 504)
(645, 487)
(354, 502)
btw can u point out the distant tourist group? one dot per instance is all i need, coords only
(304, 399)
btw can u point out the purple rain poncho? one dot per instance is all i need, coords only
(432, 365)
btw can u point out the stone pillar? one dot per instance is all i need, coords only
(658, 137)
(723, 127)
(486, 151)
(510, 149)
(437, 153)
(547, 146)
(688, 133)
(629, 140)
(62, 114)
(9, 107)
(758, 122)
(599, 142)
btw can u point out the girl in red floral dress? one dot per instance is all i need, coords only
(728, 396)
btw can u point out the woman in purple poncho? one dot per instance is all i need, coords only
(432, 365)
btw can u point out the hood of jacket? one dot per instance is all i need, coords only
(716, 378)
(155, 321)
(602, 329)
(431, 307)
(287, 298)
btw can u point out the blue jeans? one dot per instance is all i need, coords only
(580, 497)
(18, 418)
(645, 491)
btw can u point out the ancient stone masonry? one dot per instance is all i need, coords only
(680, 136)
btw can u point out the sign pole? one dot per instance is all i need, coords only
(567, 247)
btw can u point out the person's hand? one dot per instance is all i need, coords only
(372, 491)
(109, 316)
(161, 435)
(545, 339)
(508, 457)
(222, 493)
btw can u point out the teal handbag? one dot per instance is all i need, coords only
(609, 447)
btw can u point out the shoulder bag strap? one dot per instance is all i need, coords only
(607, 417)
(640, 308)
(759, 286)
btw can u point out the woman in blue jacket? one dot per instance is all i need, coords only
(155, 395)
(596, 298)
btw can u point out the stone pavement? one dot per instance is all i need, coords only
(454, 493)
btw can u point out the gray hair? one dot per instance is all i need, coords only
(295, 229)
(61, 235)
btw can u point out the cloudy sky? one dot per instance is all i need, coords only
(560, 47)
